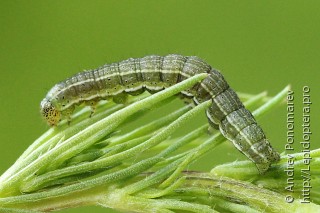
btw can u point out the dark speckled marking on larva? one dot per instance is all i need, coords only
(154, 73)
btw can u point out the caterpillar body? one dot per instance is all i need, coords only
(154, 73)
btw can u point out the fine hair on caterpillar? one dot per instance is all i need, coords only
(154, 73)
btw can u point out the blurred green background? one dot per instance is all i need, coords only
(258, 45)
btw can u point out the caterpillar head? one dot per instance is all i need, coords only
(49, 112)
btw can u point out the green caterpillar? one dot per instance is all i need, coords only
(154, 73)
